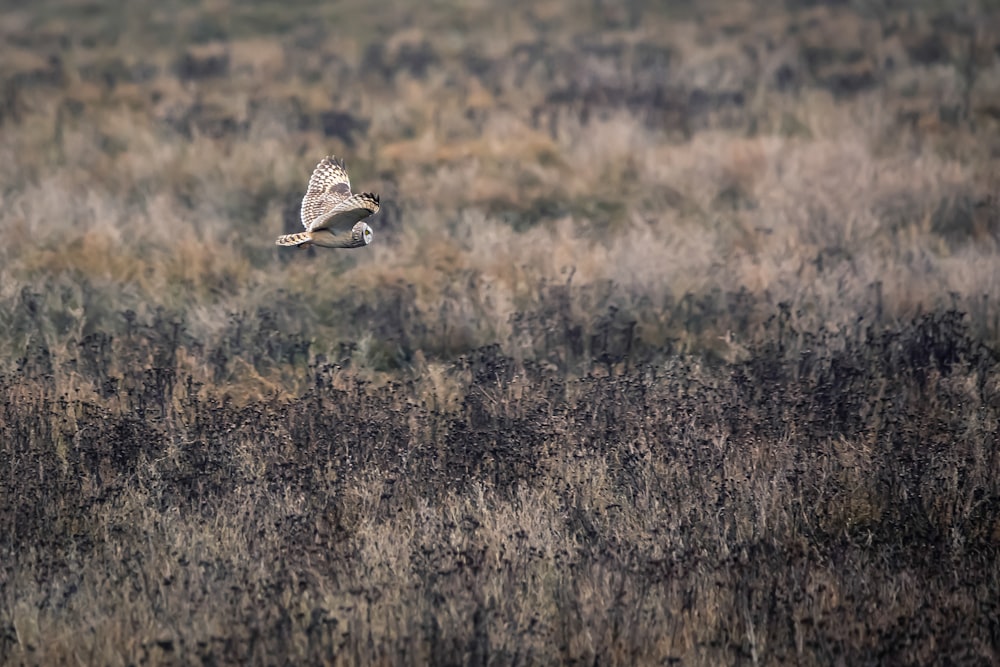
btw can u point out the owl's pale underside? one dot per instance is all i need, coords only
(332, 216)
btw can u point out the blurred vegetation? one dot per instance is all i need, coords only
(677, 341)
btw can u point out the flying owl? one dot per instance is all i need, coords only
(332, 215)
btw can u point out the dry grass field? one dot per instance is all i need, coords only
(678, 341)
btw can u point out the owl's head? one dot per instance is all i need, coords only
(362, 234)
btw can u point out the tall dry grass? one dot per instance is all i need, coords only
(676, 342)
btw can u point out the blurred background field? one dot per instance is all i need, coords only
(676, 343)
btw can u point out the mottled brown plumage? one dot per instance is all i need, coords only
(330, 214)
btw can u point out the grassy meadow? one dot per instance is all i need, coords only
(678, 341)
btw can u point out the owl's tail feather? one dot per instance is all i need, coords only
(294, 239)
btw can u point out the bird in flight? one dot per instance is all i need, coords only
(332, 216)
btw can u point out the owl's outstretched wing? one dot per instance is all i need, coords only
(329, 187)
(345, 214)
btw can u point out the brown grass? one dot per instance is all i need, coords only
(676, 343)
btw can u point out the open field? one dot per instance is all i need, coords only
(678, 341)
